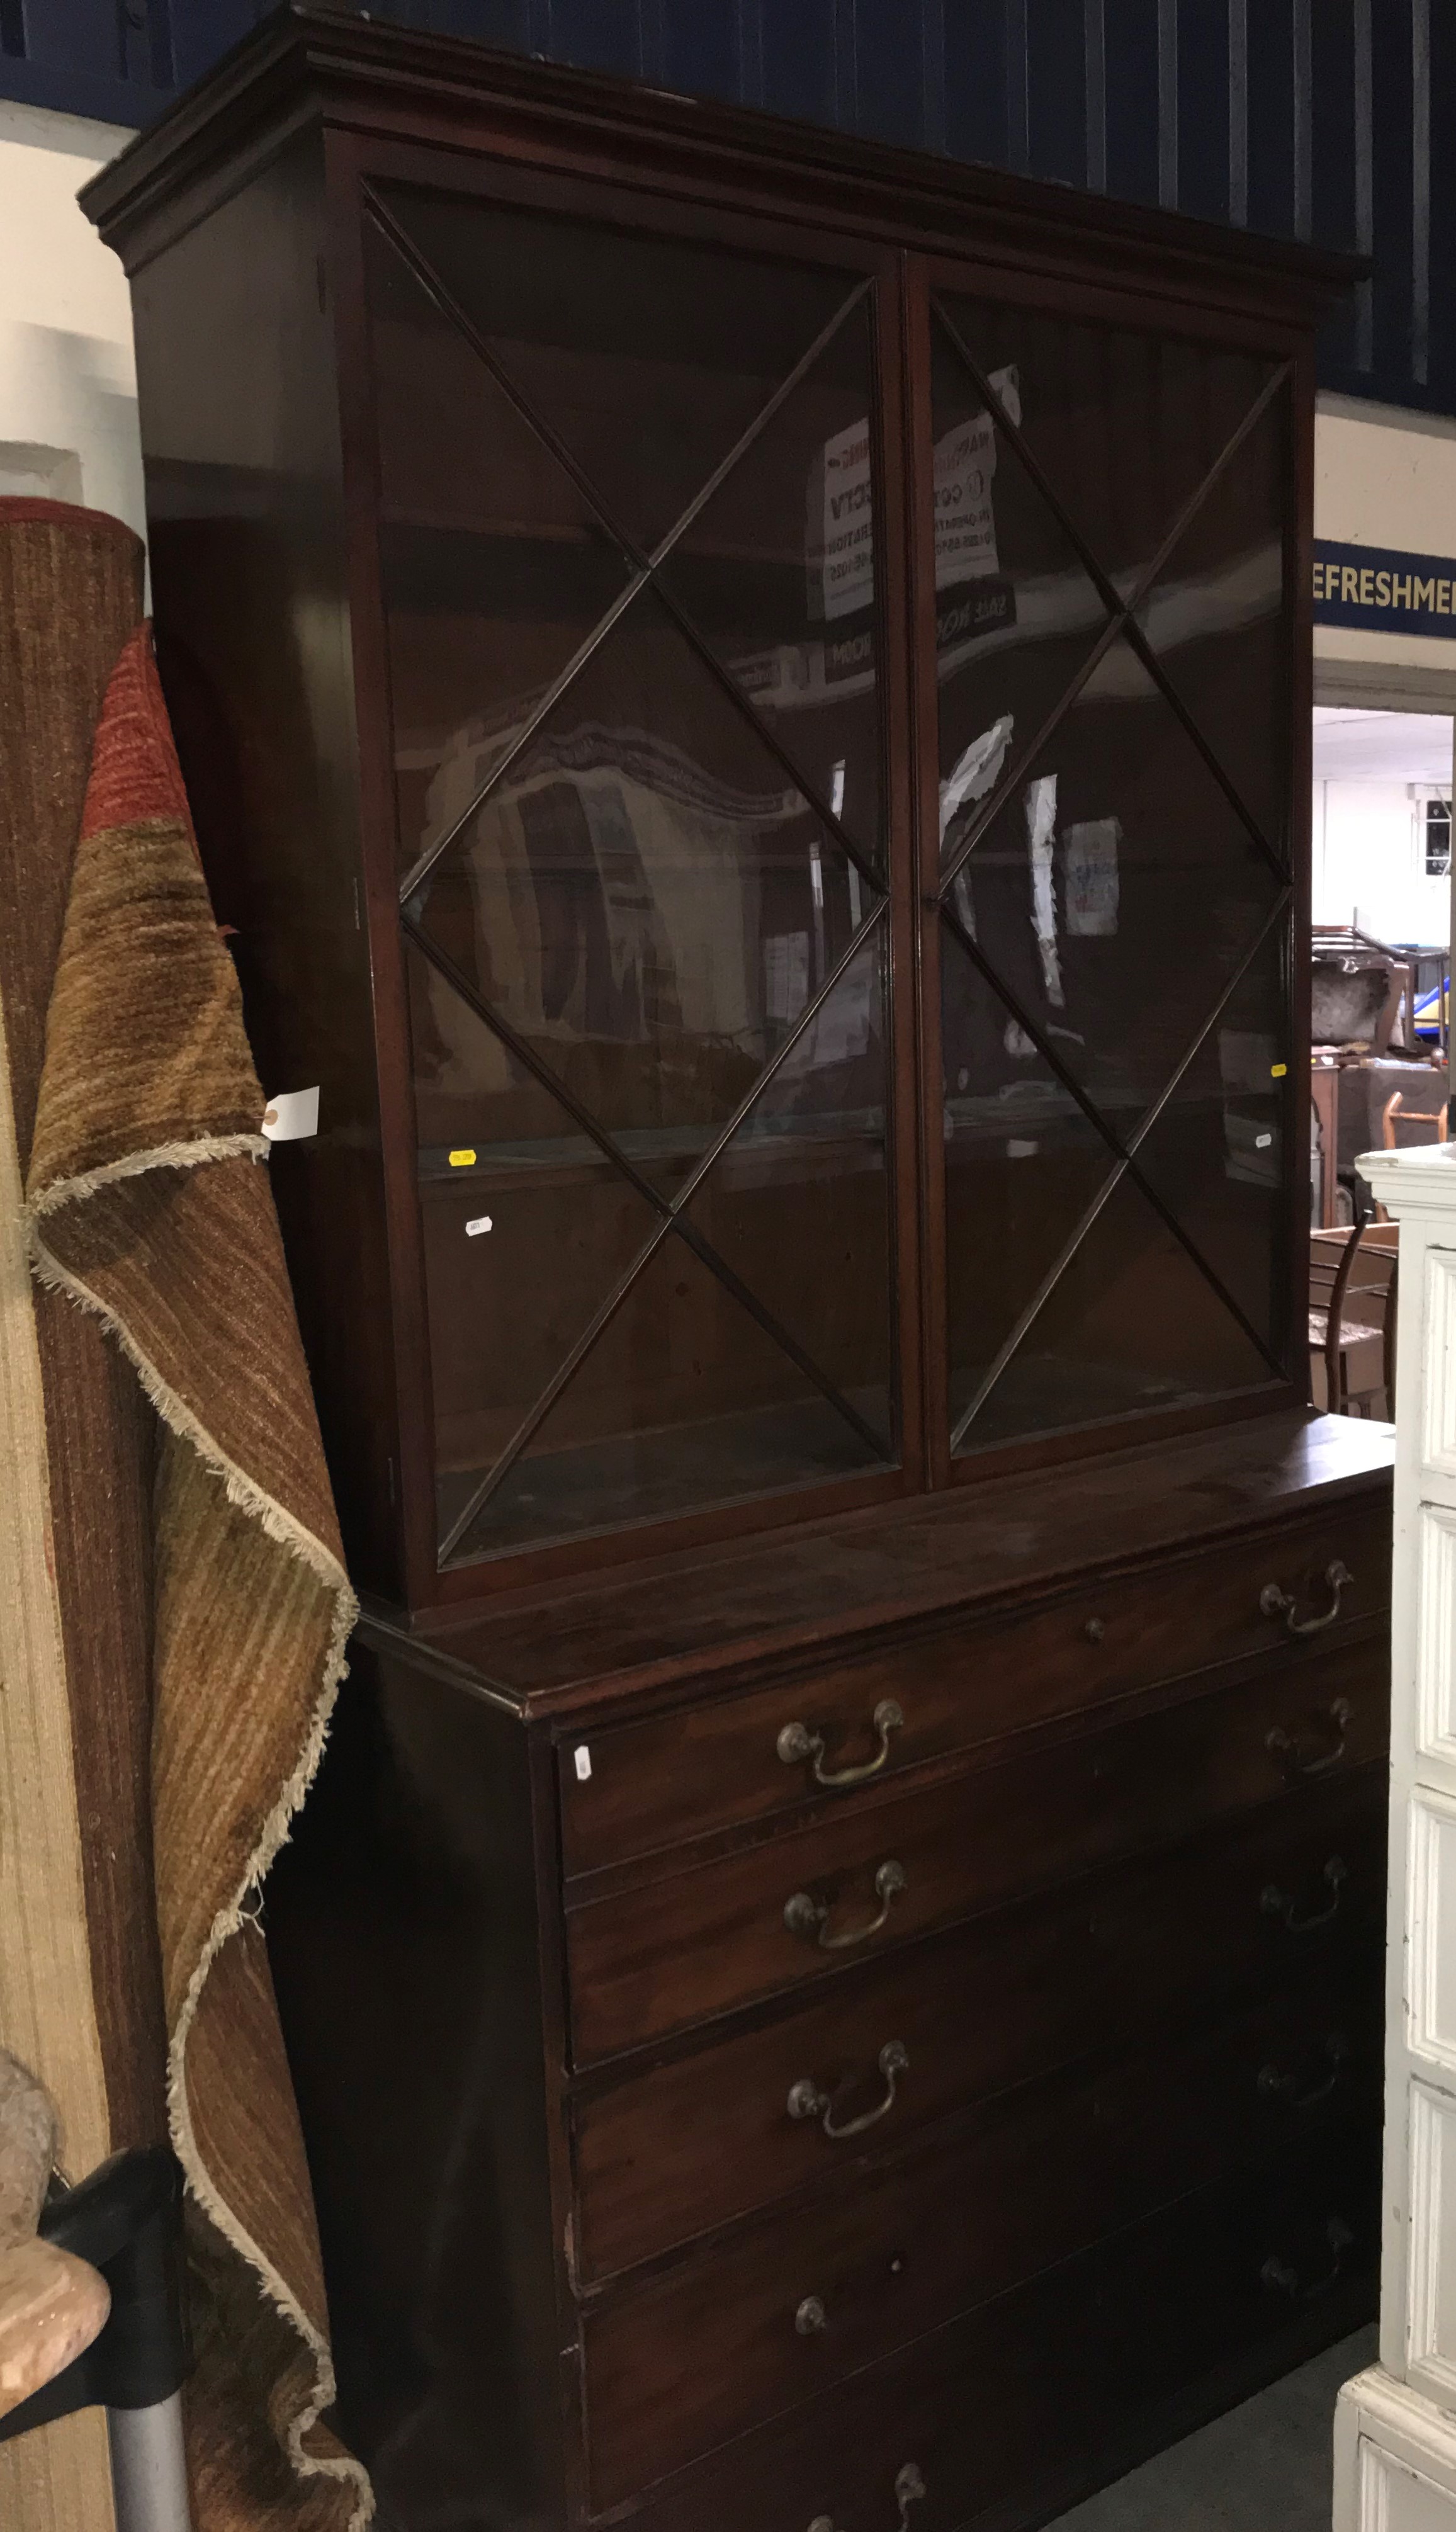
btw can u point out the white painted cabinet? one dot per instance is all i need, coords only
(1395, 2429)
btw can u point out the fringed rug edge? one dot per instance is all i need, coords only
(287, 1532)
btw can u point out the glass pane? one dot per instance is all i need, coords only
(1216, 618)
(646, 898)
(1017, 614)
(777, 573)
(1215, 1155)
(1022, 1162)
(1117, 894)
(506, 1181)
(798, 1203)
(1130, 1325)
(646, 358)
(1124, 425)
(494, 569)
(684, 1401)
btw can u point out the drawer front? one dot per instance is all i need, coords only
(719, 1765)
(734, 2336)
(679, 1951)
(1394, 2498)
(878, 2055)
(1013, 2412)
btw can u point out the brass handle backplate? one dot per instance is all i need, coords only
(807, 2102)
(804, 1915)
(1275, 2085)
(1284, 2280)
(796, 1742)
(909, 2488)
(1282, 1904)
(810, 2316)
(1275, 1604)
(1302, 1759)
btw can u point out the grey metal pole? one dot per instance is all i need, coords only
(149, 2469)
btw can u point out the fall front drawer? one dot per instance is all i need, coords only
(1010, 2407)
(732, 1760)
(747, 2118)
(683, 1948)
(734, 2335)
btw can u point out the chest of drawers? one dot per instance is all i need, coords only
(927, 2042)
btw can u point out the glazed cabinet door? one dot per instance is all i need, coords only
(1106, 684)
(634, 607)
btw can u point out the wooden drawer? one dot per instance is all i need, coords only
(664, 2155)
(1003, 2416)
(716, 1766)
(679, 1951)
(731, 2338)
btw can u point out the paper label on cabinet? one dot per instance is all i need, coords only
(840, 1033)
(291, 1115)
(1089, 877)
(1041, 826)
(963, 467)
(847, 569)
(786, 969)
(842, 522)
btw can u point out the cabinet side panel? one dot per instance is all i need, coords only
(240, 429)
(403, 1931)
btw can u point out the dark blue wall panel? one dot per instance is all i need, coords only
(1133, 98)
(1204, 112)
(1056, 91)
(976, 81)
(1320, 118)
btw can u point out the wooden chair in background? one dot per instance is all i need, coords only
(1352, 1320)
(1395, 1107)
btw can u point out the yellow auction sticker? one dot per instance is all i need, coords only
(1277, 1072)
(466, 1160)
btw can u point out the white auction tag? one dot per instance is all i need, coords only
(473, 1229)
(583, 1758)
(291, 1115)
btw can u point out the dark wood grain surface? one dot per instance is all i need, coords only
(715, 1765)
(678, 2362)
(954, 1848)
(667, 2152)
(847, 1578)
(1060, 2384)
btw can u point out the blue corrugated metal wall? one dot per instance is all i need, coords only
(1304, 118)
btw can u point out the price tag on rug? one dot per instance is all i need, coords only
(292, 1116)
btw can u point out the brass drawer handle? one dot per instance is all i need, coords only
(806, 2102)
(796, 1742)
(1282, 1903)
(1275, 1604)
(809, 1917)
(1276, 2086)
(1283, 1745)
(1278, 2275)
(810, 2316)
(909, 2488)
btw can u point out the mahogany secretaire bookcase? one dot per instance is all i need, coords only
(746, 697)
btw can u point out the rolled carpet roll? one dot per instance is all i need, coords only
(208, 1560)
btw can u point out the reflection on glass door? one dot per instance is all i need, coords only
(1113, 893)
(627, 545)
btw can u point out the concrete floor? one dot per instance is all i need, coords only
(1264, 2467)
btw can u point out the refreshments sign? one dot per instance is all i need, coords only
(1378, 590)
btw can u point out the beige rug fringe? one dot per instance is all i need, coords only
(165, 1156)
(280, 1525)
